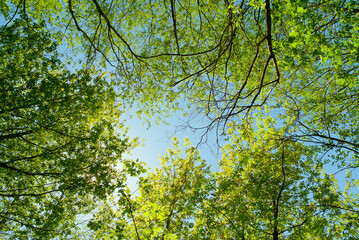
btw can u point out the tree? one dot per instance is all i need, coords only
(268, 187)
(166, 204)
(59, 144)
(225, 57)
(271, 187)
(317, 98)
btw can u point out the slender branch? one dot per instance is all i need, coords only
(133, 218)
(84, 33)
(173, 14)
(12, 18)
(15, 135)
(33, 194)
(27, 172)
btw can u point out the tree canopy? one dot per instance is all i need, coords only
(277, 80)
(225, 57)
(59, 144)
(268, 187)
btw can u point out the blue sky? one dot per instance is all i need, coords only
(157, 139)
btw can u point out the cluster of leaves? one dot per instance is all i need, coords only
(224, 57)
(167, 201)
(268, 187)
(59, 134)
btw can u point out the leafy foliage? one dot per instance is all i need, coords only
(59, 144)
(271, 187)
(280, 62)
(223, 57)
(167, 201)
(268, 187)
